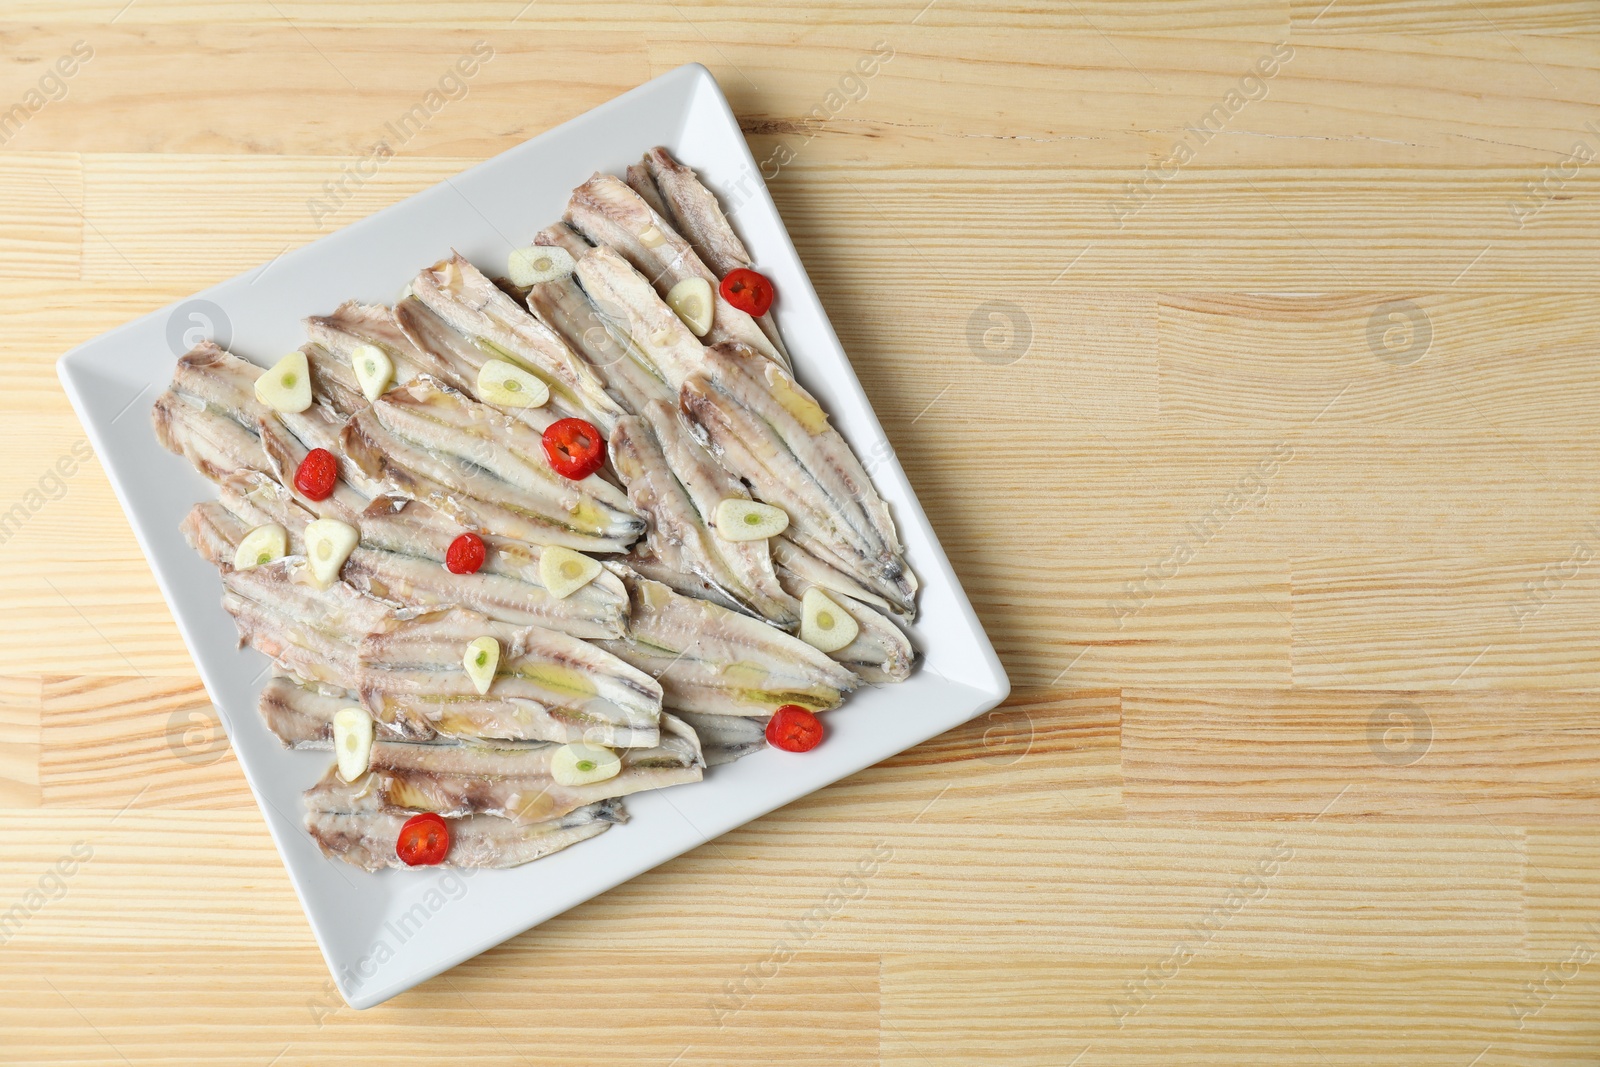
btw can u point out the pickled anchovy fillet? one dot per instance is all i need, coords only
(444, 421)
(284, 584)
(214, 444)
(411, 574)
(639, 180)
(410, 666)
(881, 653)
(712, 660)
(725, 738)
(461, 295)
(678, 747)
(305, 652)
(632, 375)
(333, 381)
(813, 568)
(208, 413)
(450, 358)
(502, 718)
(285, 451)
(694, 210)
(353, 324)
(347, 822)
(640, 322)
(211, 417)
(308, 631)
(413, 528)
(302, 716)
(471, 495)
(672, 479)
(646, 564)
(479, 778)
(607, 212)
(764, 427)
(222, 380)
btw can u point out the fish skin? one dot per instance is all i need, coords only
(808, 471)
(406, 664)
(460, 294)
(349, 825)
(607, 212)
(699, 217)
(715, 661)
(674, 480)
(725, 738)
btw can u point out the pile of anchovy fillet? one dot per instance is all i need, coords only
(674, 656)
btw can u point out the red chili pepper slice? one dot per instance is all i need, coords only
(748, 290)
(465, 554)
(424, 840)
(794, 729)
(574, 448)
(316, 475)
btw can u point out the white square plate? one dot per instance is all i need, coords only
(383, 933)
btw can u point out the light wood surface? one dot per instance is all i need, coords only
(1324, 789)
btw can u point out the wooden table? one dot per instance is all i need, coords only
(1269, 461)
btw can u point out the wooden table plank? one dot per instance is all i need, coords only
(1272, 480)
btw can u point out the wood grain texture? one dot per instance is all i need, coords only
(1272, 475)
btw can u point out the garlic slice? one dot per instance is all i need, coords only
(287, 386)
(563, 572)
(261, 545)
(583, 764)
(538, 263)
(481, 660)
(824, 625)
(747, 520)
(652, 237)
(510, 386)
(352, 742)
(329, 543)
(691, 299)
(374, 369)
